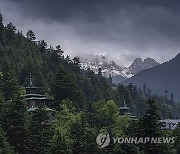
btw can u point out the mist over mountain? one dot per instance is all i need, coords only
(108, 67)
(164, 77)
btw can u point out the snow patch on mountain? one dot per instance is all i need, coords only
(109, 67)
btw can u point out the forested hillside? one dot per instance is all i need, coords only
(61, 76)
(85, 103)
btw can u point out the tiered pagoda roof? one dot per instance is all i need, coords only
(34, 98)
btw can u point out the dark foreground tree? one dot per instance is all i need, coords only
(15, 123)
(5, 148)
(149, 126)
(39, 132)
(83, 136)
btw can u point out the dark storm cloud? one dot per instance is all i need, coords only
(92, 9)
(126, 28)
(64, 9)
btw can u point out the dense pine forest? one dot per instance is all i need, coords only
(86, 104)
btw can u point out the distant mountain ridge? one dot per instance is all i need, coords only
(164, 77)
(119, 73)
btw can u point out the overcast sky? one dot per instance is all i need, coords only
(119, 29)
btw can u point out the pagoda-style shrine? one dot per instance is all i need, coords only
(124, 110)
(34, 99)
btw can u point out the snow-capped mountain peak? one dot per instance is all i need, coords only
(109, 67)
(99, 61)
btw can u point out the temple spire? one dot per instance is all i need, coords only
(124, 109)
(125, 103)
(30, 80)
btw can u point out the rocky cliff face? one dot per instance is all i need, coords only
(139, 65)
